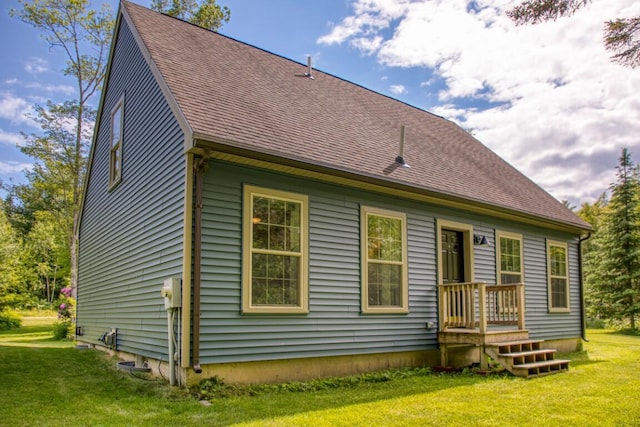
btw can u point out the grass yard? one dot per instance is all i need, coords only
(50, 383)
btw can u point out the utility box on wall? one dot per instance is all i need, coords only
(171, 291)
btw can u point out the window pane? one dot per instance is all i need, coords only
(275, 280)
(261, 236)
(116, 123)
(384, 284)
(558, 261)
(510, 254)
(276, 238)
(276, 212)
(384, 240)
(559, 297)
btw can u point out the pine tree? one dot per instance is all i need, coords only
(615, 274)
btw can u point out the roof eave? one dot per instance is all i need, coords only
(236, 152)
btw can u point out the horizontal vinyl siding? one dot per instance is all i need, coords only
(334, 325)
(131, 237)
(539, 321)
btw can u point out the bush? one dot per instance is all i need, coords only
(9, 320)
(61, 329)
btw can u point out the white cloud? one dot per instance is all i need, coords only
(63, 89)
(36, 66)
(12, 167)
(546, 97)
(10, 138)
(398, 89)
(15, 109)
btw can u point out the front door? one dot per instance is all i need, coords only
(453, 272)
(452, 256)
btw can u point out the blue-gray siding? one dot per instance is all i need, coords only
(334, 324)
(131, 238)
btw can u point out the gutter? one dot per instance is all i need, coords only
(583, 319)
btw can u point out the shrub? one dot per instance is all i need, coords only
(9, 320)
(61, 329)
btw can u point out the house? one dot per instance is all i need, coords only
(250, 217)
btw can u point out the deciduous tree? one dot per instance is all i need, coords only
(208, 14)
(84, 36)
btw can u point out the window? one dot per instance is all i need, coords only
(558, 276)
(275, 251)
(384, 261)
(509, 254)
(115, 156)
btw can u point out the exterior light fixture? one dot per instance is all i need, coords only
(480, 240)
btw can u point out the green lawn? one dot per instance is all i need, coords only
(51, 383)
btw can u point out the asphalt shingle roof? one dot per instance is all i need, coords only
(250, 98)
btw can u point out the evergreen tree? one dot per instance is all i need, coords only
(615, 267)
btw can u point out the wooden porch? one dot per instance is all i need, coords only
(492, 317)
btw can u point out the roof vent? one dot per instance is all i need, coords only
(309, 69)
(400, 159)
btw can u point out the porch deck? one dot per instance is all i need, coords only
(491, 317)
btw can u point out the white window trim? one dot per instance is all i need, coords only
(115, 180)
(247, 236)
(552, 309)
(364, 255)
(508, 235)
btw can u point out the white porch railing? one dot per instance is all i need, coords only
(477, 305)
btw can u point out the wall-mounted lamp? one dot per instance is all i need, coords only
(480, 240)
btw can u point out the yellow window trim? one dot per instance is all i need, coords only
(508, 235)
(249, 192)
(553, 309)
(467, 235)
(365, 211)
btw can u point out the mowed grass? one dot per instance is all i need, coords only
(51, 383)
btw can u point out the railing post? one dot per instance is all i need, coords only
(482, 306)
(521, 306)
(442, 320)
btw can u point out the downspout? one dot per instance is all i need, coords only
(583, 320)
(200, 167)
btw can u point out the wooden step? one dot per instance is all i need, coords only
(538, 369)
(526, 358)
(532, 356)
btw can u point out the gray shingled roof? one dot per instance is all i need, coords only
(253, 99)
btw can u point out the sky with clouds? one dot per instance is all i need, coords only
(546, 98)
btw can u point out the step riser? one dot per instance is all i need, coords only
(526, 358)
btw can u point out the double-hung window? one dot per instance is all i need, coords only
(275, 229)
(558, 276)
(509, 252)
(115, 152)
(384, 261)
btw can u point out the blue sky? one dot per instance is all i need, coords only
(546, 98)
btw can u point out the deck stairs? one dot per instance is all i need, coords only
(526, 358)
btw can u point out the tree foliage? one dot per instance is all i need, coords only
(621, 35)
(60, 151)
(612, 262)
(208, 14)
